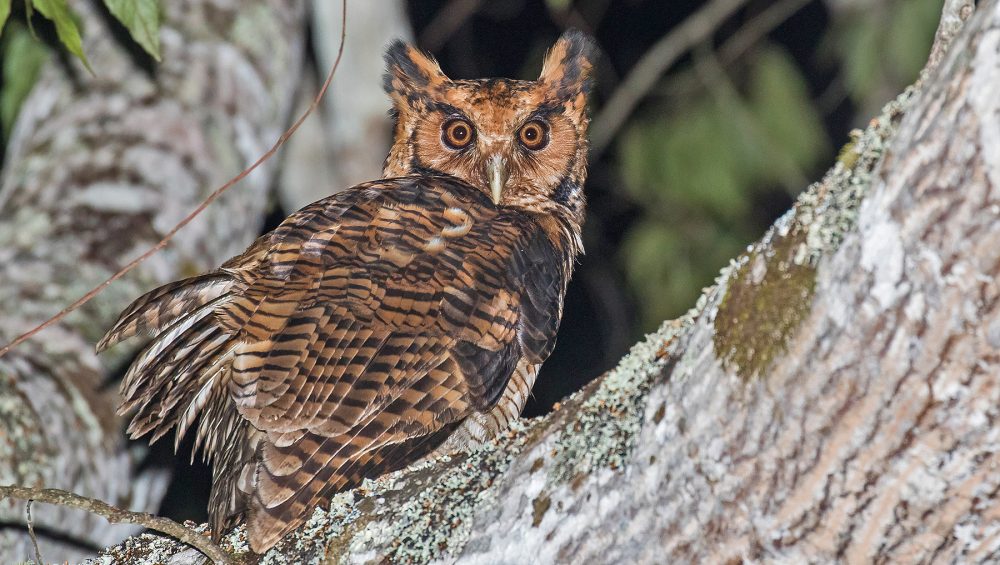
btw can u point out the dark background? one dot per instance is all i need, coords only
(712, 155)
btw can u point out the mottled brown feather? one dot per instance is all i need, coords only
(384, 323)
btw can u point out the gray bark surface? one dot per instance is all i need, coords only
(98, 168)
(834, 397)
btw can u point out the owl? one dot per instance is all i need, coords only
(396, 319)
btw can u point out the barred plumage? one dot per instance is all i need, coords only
(378, 325)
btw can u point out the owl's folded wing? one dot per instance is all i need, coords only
(376, 332)
(357, 335)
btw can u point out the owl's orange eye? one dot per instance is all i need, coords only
(534, 135)
(457, 133)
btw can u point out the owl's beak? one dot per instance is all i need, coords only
(496, 174)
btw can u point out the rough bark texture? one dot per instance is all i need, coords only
(98, 168)
(833, 397)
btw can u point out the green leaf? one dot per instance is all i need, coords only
(696, 159)
(558, 5)
(4, 13)
(142, 20)
(23, 57)
(59, 13)
(779, 100)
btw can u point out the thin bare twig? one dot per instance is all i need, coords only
(201, 207)
(31, 532)
(652, 65)
(447, 20)
(116, 515)
(683, 83)
(757, 27)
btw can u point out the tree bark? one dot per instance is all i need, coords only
(98, 168)
(833, 398)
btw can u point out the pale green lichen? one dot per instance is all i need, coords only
(605, 419)
(143, 549)
(828, 209)
(426, 512)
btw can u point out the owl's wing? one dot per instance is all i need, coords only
(377, 321)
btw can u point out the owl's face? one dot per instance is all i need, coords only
(524, 143)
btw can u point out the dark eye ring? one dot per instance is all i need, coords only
(457, 133)
(534, 135)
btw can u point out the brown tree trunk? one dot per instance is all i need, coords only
(833, 398)
(98, 168)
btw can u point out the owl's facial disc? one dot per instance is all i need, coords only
(521, 142)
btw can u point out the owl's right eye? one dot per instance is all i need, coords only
(457, 133)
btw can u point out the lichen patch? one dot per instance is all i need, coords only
(772, 284)
(603, 427)
(759, 314)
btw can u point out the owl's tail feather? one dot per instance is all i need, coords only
(180, 381)
(169, 303)
(173, 379)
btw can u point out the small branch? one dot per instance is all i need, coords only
(761, 25)
(684, 83)
(652, 65)
(446, 22)
(116, 515)
(201, 207)
(31, 533)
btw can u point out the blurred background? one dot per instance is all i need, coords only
(708, 118)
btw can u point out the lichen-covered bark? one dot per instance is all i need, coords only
(869, 434)
(98, 168)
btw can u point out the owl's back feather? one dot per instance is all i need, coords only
(349, 342)
(387, 322)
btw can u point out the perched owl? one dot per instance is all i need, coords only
(397, 318)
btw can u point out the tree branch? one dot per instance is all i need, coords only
(685, 83)
(116, 515)
(652, 65)
(31, 532)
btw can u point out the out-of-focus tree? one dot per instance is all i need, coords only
(101, 161)
(350, 137)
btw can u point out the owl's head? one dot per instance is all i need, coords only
(524, 143)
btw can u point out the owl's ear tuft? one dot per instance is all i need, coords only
(568, 64)
(409, 70)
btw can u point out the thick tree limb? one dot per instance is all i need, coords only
(833, 397)
(99, 167)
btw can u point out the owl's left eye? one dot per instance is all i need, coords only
(457, 133)
(534, 135)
